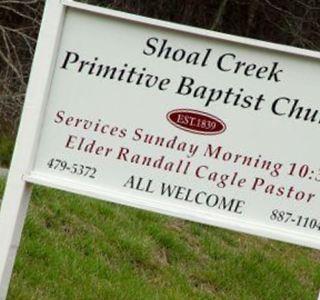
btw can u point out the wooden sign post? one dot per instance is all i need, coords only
(186, 122)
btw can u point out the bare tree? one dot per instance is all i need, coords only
(19, 23)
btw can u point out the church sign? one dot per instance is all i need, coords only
(190, 123)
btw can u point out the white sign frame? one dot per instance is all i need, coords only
(19, 184)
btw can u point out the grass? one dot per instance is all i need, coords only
(79, 248)
(6, 150)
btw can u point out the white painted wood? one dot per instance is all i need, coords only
(80, 96)
(190, 214)
(193, 30)
(16, 197)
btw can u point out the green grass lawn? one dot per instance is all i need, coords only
(6, 149)
(78, 248)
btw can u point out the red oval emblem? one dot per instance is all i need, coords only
(196, 121)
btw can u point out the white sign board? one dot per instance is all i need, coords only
(199, 125)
